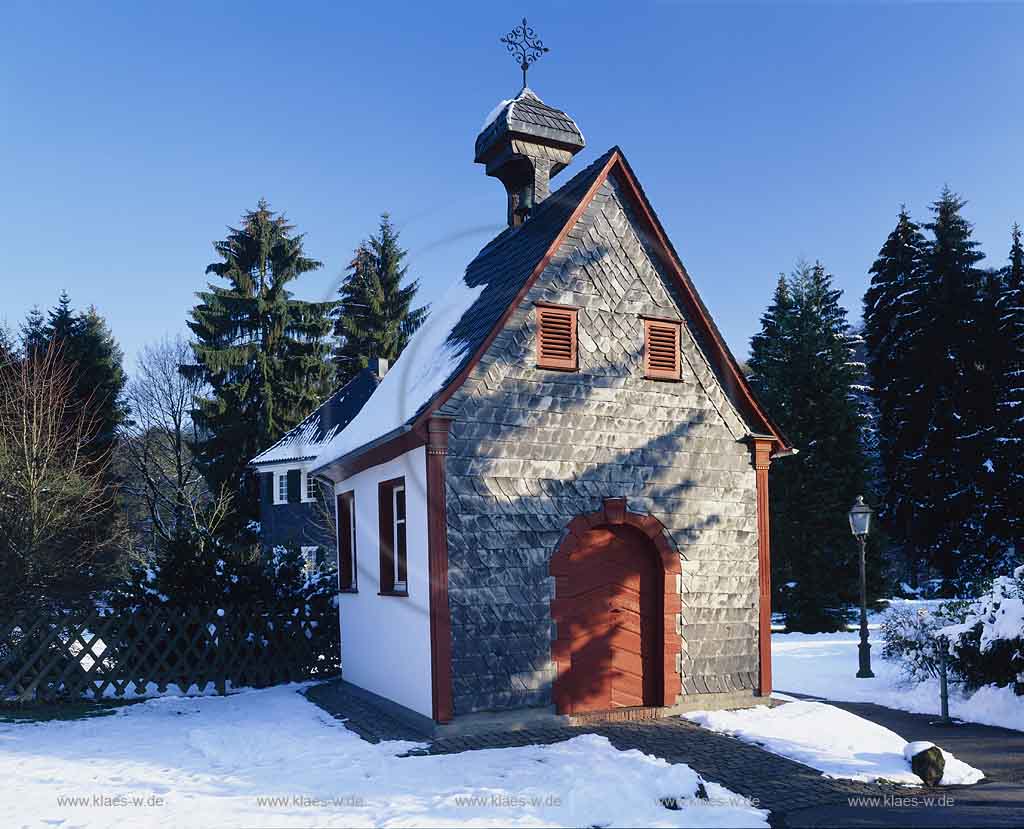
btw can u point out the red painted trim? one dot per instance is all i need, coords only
(614, 512)
(382, 453)
(437, 566)
(736, 384)
(762, 452)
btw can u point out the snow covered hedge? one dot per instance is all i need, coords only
(984, 637)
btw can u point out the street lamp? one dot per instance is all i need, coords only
(860, 524)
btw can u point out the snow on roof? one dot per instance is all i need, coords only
(494, 113)
(301, 442)
(330, 417)
(425, 365)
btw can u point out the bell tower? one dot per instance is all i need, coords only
(525, 142)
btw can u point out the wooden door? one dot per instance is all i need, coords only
(612, 605)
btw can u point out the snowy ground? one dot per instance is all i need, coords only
(271, 758)
(836, 742)
(825, 665)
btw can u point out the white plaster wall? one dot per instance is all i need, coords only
(385, 640)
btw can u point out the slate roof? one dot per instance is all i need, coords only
(334, 414)
(526, 114)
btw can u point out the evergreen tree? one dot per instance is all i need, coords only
(263, 353)
(896, 357)
(375, 317)
(33, 332)
(8, 349)
(954, 396)
(1009, 449)
(803, 366)
(85, 343)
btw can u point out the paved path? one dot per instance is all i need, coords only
(795, 794)
(999, 752)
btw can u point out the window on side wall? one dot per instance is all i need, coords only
(309, 493)
(393, 537)
(347, 573)
(281, 487)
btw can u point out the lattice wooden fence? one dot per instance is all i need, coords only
(48, 656)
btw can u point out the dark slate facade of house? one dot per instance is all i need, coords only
(295, 509)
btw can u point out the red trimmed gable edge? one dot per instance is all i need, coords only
(724, 364)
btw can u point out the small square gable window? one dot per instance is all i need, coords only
(661, 350)
(556, 337)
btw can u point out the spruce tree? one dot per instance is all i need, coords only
(953, 397)
(33, 332)
(263, 353)
(87, 344)
(375, 317)
(896, 357)
(1009, 443)
(803, 365)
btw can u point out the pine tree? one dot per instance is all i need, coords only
(263, 353)
(33, 332)
(896, 357)
(87, 344)
(375, 317)
(1009, 449)
(954, 376)
(803, 365)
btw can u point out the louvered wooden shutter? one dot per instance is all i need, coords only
(556, 337)
(661, 350)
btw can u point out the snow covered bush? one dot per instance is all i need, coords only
(988, 644)
(910, 636)
(984, 637)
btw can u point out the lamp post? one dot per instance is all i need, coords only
(860, 524)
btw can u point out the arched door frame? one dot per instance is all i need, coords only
(612, 513)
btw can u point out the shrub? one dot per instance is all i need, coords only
(989, 643)
(910, 636)
(984, 637)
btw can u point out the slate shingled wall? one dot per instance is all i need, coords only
(530, 449)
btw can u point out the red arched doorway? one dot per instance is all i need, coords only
(615, 605)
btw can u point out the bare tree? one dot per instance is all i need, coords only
(51, 491)
(157, 444)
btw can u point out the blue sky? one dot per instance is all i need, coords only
(132, 134)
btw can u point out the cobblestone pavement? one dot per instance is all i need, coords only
(795, 794)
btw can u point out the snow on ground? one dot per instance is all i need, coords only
(272, 758)
(834, 741)
(825, 665)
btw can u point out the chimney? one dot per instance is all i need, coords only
(378, 365)
(524, 144)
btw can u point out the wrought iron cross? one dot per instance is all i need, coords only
(522, 42)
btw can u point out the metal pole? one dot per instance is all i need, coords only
(865, 648)
(943, 684)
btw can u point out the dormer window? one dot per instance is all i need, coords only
(556, 337)
(661, 349)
